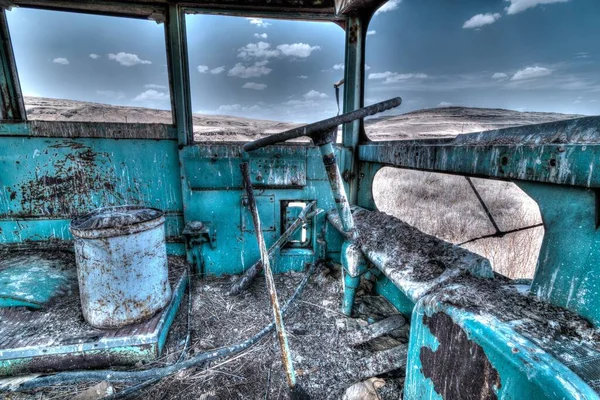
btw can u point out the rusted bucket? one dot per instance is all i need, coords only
(121, 264)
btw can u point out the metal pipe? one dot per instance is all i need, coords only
(337, 186)
(244, 281)
(264, 256)
(324, 126)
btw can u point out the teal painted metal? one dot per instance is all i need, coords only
(11, 100)
(532, 153)
(366, 179)
(128, 350)
(14, 129)
(354, 85)
(213, 192)
(355, 265)
(567, 268)
(33, 283)
(47, 181)
(523, 370)
(177, 63)
(385, 288)
(170, 312)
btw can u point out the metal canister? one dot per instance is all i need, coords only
(121, 265)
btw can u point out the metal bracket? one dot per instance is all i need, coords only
(198, 232)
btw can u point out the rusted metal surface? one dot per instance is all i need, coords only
(107, 130)
(156, 9)
(121, 264)
(564, 153)
(244, 281)
(264, 256)
(57, 179)
(337, 187)
(471, 376)
(357, 6)
(11, 99)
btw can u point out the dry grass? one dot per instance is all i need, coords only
(445, 206)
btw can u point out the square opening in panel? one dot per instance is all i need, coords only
(302, 238)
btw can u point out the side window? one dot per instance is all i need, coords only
(79, 67)
(252, 77)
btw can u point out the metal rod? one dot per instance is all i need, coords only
(487, 211)
(500, 234)
(337, 186)
(264, 256)
(324, 126)
(244, 281)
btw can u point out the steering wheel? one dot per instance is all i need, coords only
(325, 126)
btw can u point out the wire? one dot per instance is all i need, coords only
(501, 234)
(487, 211)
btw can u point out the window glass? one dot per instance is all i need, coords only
(464, 67)
(252, 77)
(445, 206)
(81, 67)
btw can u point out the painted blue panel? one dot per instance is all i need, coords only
(209, 169)
(55, 179)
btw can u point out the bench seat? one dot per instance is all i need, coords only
(476, 334)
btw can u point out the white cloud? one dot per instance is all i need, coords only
(94, 56)
(593, 101)
(155, 86)
(127, 59)
(218, 70)
(313, 94)
(302, 77)
(337, 67)
(111, 94)
(152, 95)
(254, 86)
(391, 5)
(300, 50)
(581, 55)
(257, 50)
(391, 77)
(253, 71)
(369, 33)
(367, 67)
(499, 76)
(235, 108)
(202, 69)
(61, 61)
(259, 22)
(479, 20)
(445, 104)
(261, 35)
(531, 73)
(516, 6)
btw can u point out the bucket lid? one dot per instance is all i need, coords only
(116, 221)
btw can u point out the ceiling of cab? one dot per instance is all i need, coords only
(155, 9)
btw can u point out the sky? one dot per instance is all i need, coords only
(527, 55)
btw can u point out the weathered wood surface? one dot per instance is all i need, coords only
(376, 330)
(414, 261)
(379, 363)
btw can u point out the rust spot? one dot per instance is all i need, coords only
(353, 34)
(459, 368)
